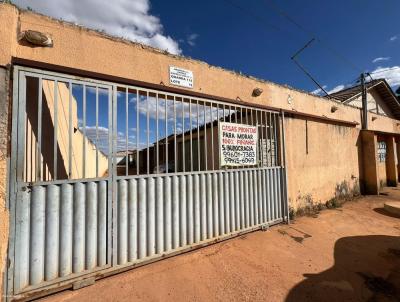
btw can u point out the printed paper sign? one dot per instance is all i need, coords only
(180, 77)
(238, 144)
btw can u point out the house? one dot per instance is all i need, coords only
(381, 99)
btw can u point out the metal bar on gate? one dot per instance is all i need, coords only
(262, 139)
(212, 135)
(191, 135)
(148, 133)
(205, 137)
(39, 135)
(84, 133)
(183, 135)
(114, 185)
(97, 131)
(257, 155)
(241, 121)
(266, 137)
(219, 159)
(270, 138)
(55, 124)
(198, 136)
(70, 131)
(157, 146)
(166, 135)
(111, 169)
(126, 132)
(175, 161)
(275, 141)
(137, 133)
(285, 178)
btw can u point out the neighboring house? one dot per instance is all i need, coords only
(380, 98)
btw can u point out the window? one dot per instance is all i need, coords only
(381, 151)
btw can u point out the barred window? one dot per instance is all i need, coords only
(381, 151)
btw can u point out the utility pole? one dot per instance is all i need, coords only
(364, 102)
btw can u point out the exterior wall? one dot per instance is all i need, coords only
(397, 152)
(382, 174)
(370, 161)
(4, 159)
(391, 162)
(323, 161)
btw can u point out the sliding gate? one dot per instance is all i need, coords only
(107, 176)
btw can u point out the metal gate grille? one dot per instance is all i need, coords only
(108, 176)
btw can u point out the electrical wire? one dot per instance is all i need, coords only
(279, 11)
(262, 20)
(282, 13)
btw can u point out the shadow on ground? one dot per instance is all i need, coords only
(366, 268)
(386, 213)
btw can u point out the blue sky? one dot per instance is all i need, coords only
(255, 39)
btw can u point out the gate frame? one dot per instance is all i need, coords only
(15, 185)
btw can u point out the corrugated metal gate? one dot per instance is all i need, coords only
(107, 176)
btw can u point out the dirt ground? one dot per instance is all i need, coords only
(346, 254)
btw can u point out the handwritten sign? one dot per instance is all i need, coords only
(238, 144)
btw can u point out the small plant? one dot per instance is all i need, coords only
(292, 213)
(333, 203)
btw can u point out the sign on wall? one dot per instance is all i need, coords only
(237, 144)
(180, 77)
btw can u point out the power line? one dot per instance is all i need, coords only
(302, 67)
(278, 10)
(262, 20)
(313, 35)
(249, 12)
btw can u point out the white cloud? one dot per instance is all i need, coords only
(319, 90)
(123, 18)
(206, 113)
(337, 88)
(100, 139)
(191, 39)
(390, 74)
(394, 38)
(380, 59)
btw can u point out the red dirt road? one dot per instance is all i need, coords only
(346, 254)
